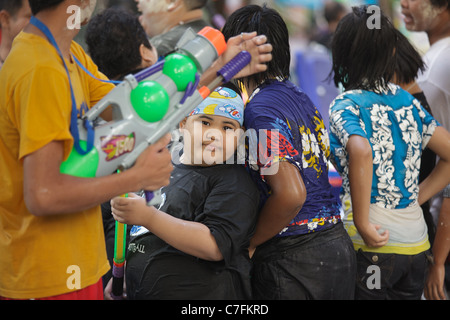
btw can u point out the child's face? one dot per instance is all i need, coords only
(209, 139)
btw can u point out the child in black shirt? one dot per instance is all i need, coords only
(196, 245)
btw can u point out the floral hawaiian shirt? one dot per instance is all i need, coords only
(397, 127)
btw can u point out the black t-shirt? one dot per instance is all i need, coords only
(427, 164)
(225, 199)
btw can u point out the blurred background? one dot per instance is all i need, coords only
(311, 24)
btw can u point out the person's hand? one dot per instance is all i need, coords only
(371, 236)
(154, 165)
(255, 45)
(434, 286)
(107, 293)
(130, 210)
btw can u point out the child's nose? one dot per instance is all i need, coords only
(213, 135)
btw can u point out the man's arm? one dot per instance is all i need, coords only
(434, 287)
(436, 180)
(49, 192)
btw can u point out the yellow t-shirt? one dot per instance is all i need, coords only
(43, 256)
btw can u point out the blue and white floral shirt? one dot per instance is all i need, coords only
(397, 127)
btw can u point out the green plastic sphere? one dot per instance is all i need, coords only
(150, 101)
(84, 166)
(181, 69)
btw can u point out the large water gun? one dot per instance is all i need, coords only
(146, 106)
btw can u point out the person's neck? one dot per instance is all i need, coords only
(252, 86)
(411, 87)
(56, 22)
(441, 30)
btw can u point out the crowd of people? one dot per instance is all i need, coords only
(266, 228)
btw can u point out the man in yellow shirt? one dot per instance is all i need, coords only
(51, 236)
(51, 239)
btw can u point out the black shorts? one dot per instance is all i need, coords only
(319, 265)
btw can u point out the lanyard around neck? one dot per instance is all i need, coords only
(74, 113)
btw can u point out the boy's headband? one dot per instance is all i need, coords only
(223, 102)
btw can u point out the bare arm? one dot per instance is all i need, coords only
(434, 287)
(435, 182)
(191, 237)
(49, 192)
(360, 177)
(287, 198)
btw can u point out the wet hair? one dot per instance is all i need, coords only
(11, 6)
(114, 37)
(39, 5)
(268, 22)
(232, 86)
(441, 3)
(408, 60)
(363, 57)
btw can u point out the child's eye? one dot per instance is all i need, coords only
(205, 123)
(227, 128)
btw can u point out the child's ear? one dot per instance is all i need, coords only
(4, 19)
(147, 55)
(182, 123)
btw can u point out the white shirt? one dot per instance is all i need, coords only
(435, 81)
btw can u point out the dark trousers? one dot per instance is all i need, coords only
(319, 265)
(390, 276)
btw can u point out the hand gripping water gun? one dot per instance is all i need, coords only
(146, 106)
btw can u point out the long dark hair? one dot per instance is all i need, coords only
(364, 55)
(268, 22)
(408, 60)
